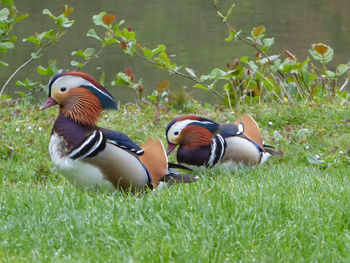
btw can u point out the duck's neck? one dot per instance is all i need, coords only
(73, 132)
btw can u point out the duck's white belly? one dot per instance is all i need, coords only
(83, 175)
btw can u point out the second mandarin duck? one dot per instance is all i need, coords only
(203, 142)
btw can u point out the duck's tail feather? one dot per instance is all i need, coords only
(274, 153)
(174, 177)
(251, 129)
(179, 166)
(155, 159)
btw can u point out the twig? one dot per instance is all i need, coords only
(228, 99)
(181, 74)
(254, 45)
(343, 87)
(88, 61)
(23, 65)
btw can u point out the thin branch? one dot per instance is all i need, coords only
(254, 45)
(343, 87)
(24, 64)
(181, 74)
(88, 61)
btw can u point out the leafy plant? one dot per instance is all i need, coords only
(42, 41)
(8, 17)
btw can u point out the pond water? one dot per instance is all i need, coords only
(189, 29)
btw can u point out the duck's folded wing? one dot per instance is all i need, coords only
(229, 129)
(122, 140)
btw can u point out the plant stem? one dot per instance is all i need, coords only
(23, 65)
(181, 74)
(254, 45)
(88, 61)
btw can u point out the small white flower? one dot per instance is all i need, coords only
(17, 129)
(341, 152)
(29, 127)
(270, 123)
(39, 129)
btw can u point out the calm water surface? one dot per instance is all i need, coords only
(189, 29)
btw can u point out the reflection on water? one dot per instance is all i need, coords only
(189, 29)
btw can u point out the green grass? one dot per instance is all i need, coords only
(291, 209)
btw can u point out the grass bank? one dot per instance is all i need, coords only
(295, 208)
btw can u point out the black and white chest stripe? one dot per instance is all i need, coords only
(218, 147)
(93, 144)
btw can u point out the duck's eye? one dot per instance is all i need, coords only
(176, 133)
(63, 89)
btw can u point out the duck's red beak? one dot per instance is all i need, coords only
(171, 147)
(48, 103)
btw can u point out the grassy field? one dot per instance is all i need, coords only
(291, 209)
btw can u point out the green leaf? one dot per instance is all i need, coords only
(78, 53)
(159, 48)
(245, 59)
(219, 14)
(341, 69)
(8, 2)
(67, 23)
(216, 73)
(12, 39)
(21, 17)
(4, 13)
(41, 70)
(321, 53)
(228, 14)
(92, 33)
(76, 64)
(21, 94)
(163, 59)
(89, 52)
(110, 42)
(6, 45)
(331, 74)
(191, 72)
(232, 35)
(258, 32)
(128, 35)
(48, 12)
(147, 53)
(32, 39)
(97, 19)
(267, 43)
(200, 86)
(3, 64)
(122, 79)
(35, 56)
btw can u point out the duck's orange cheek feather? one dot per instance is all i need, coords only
(194, 136)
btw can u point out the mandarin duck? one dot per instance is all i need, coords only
(92, 157)
(203, 142)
